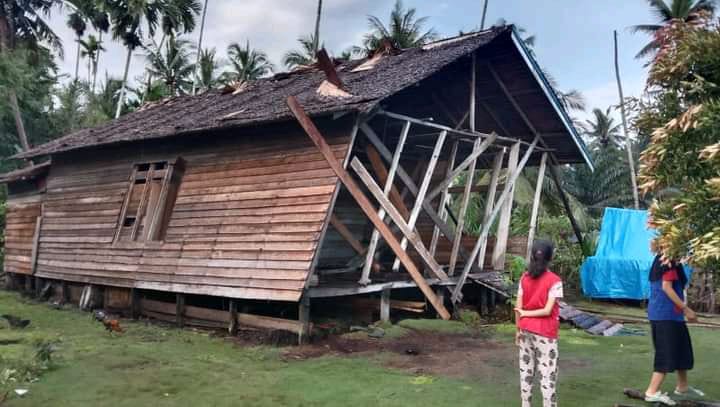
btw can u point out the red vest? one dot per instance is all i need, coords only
(535, 295)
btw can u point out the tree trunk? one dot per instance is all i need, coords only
(77, 59)
(97, 61)
(18, 120)
(316, 44)
(628, 141)
(121, 99)
(484, 13)
(199, 47)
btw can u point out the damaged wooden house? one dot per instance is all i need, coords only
(343, 179)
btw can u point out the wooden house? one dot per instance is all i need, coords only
(329, 181)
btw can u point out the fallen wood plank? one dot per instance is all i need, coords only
(639, 395)
(365, 204)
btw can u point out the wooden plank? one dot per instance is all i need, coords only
(420, 198)
(346, 234)
(503, 230)
(566, 204)
(180, 310)
(478, 150)
(457, 293)
(463, 207)
(444, 199)
(388, 187)
(385, 305)
(126, 203)
(304, 319)
(364, 203)
(536, 205)
(143, 201)
(490, 201)
(35, 245)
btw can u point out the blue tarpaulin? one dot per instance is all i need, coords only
(622, 261)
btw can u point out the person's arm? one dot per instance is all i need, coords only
(543, 312)
(667, 287)
(518, 304)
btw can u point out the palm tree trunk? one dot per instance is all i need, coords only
(199, 47)
(18, 120)
(97, 61)
(316, 44)
(121, 99)
(482, 22)
(77, 59)
(628, 141)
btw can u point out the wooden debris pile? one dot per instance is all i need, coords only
(592, 324)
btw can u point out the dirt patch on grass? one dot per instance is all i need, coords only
(422, 353)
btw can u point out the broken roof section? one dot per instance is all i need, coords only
(365, 85)
(30, 172)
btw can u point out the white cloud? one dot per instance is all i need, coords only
(604, 95)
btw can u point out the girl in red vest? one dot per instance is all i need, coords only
(538, 322)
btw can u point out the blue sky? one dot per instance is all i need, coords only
(574, 37)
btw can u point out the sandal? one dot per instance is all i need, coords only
(690, 392)
(660, 397)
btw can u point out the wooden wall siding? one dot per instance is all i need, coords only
(246, 221)
(20, 221)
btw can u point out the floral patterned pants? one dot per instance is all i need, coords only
(538, 356)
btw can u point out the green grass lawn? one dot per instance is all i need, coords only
(154, 366)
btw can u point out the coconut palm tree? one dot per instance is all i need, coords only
(90, 49)
(76, 22)
(603, 131)
(689, 11)
(246, 63)
(172, 64)
(305, 55)
(200, 40)
(22, 21)
(404, 29)
(179, 17)
(206, 71)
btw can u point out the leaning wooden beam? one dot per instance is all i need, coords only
(478, 149)
(536, 205)
(415, 213)
(457, 293)
(444, 200)
(490, 201)
(410, 184)
(473, 87)
(365, 204)
(566, 203)
(408, 233)
(372, 247)
(35, 245)
(143, 202)
(503, 230)
(460, 227)
(346, 234)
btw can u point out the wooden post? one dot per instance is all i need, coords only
(135, 303)
(440, 292)
(459, 228)
(38, 286)
(473, 87)
(64, 293)
(503, 230)
(385, 305)
(35, 245)
(457, 292)
(536, 205)
(444, 200)
(28, 284)
(370, 258)
(364, 203)
(628, 141)
(180, 309)
(484, 301)
(304, 318)
(490, 201)
(415, 213)
(232, 324)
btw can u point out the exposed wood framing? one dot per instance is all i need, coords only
(490, 200)
(412, 187)
(126, 202)
(415, 212)
(345, 233)
(554, 160)
(364, 279)
(465, 201)
(364, 204)
(304, 319)
(381, 171)
(161, 207)
(503, 230)
(143, 201)
(478, 149)
(473, 90)
(385, 305)
(408, 233)
(457, 293)
(232, 323)
(536, 205)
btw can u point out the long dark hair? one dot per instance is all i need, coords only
(540, 257)
(659, 268)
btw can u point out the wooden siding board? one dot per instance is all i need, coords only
(246, 223)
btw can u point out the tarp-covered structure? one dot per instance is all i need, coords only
(621, 264)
